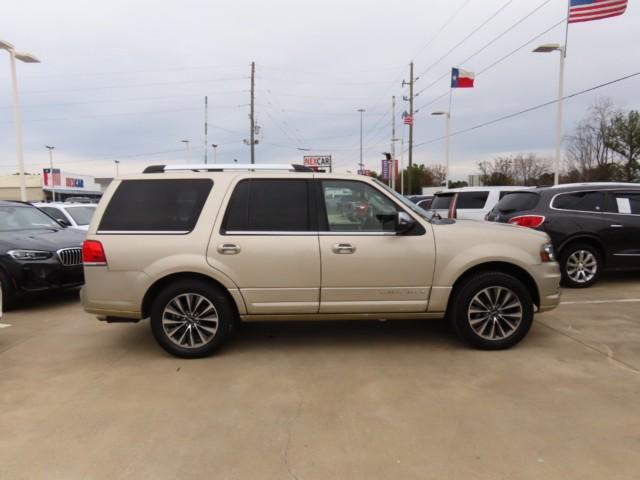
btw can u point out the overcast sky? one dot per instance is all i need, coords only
(126, 80)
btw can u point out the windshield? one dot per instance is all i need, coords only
(24, 218)
(81, 215)
(406, 202)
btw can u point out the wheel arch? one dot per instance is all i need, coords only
(502, 267)
(153, 291)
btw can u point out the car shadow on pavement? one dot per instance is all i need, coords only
(45, 300)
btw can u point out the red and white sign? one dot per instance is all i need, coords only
(317, 161)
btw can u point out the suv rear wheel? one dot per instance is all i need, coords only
(581, 265)
(190, 318)
(491, 311)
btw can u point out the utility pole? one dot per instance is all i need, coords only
(411, 81)
(51, 176)
(117, 162)
(361, 165)
(252, 118)
(206, 118)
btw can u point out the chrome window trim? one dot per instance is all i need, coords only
(142, 232)
(305, 233)
(618, 189)
(626, 254)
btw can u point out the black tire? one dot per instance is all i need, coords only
(572, 278)
(181, 291)
(461, 316)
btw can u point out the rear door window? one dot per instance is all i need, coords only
(624, 202)
(579, 201)
(156, 205)
(472, 200)
(262, 205)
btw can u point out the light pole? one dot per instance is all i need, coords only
(215, 149)
(446, 148)
(53, 181)
(361, 110)
(547, 48)
(117, 162)
(26, 58)
(186, 143)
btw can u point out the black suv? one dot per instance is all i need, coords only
(36, 252)
(592, 225)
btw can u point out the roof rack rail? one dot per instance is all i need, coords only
(222, 167)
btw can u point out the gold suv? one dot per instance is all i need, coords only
(198, 248)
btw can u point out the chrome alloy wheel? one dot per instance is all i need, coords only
(582, 266)
(190, 320)
(495, 313)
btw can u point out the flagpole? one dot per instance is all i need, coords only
(448, 135)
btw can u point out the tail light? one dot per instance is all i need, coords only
(529, 221)
(453, 207)
(93, 253)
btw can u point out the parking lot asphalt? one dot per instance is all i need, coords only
(81, 399)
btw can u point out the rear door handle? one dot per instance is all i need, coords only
(228, 249)
(343, 248)
(616, 225)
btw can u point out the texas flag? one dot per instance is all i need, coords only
(461, 78)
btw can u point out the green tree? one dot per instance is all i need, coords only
(623, 137)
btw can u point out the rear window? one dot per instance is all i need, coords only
(518, 201)
(472, 200)
(156, 205)
(269, 205)
(579, 201)
(441, 201)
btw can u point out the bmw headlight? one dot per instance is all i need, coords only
(29, 254)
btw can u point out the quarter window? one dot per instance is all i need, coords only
(156, 205)
(353, 206)
(579, 201)
(472, 200)
(262, 205)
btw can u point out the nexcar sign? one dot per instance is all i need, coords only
(316, 162)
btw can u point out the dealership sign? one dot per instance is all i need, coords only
(69, 182)
(316, 162)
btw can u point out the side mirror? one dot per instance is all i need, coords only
(65, 223)
(404, 222)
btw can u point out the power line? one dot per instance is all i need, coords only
(530, 109)
(494, 64)
(441, 29)
(473, 32)
(495, 39)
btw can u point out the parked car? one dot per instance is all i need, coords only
(36, 252)
(76, 215)
(593, 226)
(468, 203)
(423, 201)
(199, 247)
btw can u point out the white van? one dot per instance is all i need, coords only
(469, 203)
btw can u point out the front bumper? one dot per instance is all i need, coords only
(49, 274)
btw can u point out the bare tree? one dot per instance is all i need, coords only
(438, 174)
(498, 171)
(529, 168)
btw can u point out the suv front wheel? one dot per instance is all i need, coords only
(491, 311)
(190, 318)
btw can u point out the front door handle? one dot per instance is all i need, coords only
(228, 249)
(616, 225)
(343, 248)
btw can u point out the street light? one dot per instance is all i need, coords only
(548, 48)
(446, 148)
(117, 162)
(186, 142)
(26, 58)
(215, 149)
(361, 110)
(51, 176)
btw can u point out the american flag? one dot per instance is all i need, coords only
(587, 10)
(407, 119)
